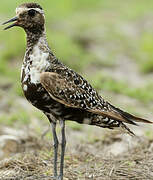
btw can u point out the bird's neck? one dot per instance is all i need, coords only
(36, 57)
(34, 37)
(37, 44)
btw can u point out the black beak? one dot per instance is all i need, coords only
(11, 20)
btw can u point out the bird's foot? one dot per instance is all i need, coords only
(53, 178)
(43, 177)
(60, 177)
(56, 177)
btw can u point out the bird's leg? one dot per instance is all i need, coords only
(63, 144)
(53, 124)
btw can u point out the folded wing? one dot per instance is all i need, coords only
(73, 91)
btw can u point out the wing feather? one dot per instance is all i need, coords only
(77, 93)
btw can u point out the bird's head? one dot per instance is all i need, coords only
(29, 16)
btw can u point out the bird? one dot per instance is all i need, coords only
(57, 90)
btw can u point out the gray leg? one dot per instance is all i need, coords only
(55, 147)
(63, 144)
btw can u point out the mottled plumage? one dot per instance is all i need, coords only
(57, 90)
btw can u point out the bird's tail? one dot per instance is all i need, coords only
(129, 117)
(117, 118)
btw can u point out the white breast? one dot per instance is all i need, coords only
(39, 64)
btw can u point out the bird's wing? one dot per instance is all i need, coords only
(72, 90)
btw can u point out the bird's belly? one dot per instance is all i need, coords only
(39, 97)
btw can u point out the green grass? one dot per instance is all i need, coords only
(143, 94)
(63, 44)
(78, 57)
(74, 126)
(149, 135)
(146, 55)
(20, 117)
(69, 51)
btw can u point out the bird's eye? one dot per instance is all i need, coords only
(31, 12)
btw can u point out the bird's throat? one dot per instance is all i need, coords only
(33, 37)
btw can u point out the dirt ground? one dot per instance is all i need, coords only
(91, 153)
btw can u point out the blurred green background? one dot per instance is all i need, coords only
(109, 42)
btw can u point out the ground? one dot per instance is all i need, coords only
(110, 44)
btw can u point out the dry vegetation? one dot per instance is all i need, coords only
(83, 162)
